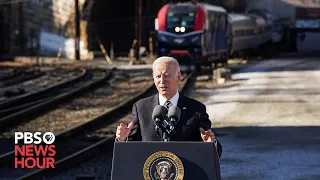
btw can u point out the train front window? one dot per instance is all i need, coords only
(180, 22)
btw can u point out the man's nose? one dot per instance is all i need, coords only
(162, 79)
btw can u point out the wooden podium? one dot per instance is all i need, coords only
(158, 160)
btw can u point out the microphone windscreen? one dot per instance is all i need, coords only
(174, 112)
(159, 112)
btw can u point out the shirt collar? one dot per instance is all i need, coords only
(173, 100)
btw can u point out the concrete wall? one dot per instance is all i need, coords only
(43, 26)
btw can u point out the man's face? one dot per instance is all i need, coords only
(166, 79)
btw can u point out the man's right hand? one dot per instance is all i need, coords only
(123, 131)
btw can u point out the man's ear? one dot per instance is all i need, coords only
(179, 76)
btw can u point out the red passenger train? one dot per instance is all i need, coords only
(194, 33)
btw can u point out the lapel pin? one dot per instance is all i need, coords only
(184, 108)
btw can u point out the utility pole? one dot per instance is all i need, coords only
(77, 31)
(138, 28)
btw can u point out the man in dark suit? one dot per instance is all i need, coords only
(194, 124)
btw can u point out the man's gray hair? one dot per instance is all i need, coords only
(168, 59)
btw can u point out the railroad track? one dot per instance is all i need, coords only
(38, 102)
(20, 121)
(76, 111)
(43, 86)
(11, 77)
(8, 73)
(120, 86)
(87, 138)
(20, 77)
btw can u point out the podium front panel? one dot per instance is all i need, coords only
(131, 160)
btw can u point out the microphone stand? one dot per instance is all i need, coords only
(165, 137)
(167, 133)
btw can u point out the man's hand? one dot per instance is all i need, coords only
(207, 136)
(123, 131)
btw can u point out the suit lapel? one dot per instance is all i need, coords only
(182, 106)
(178, 134)
(154, 103)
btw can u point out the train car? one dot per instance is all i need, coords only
(248, 32)
(195, 33)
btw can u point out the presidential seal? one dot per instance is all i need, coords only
(163, 165)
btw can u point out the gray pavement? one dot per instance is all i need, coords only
(269, 124)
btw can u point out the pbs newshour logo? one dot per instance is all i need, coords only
(35, 150)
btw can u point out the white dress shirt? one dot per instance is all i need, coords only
(174, 100)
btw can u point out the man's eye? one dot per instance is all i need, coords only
(168, 75)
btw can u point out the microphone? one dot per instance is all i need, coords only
(158, 115)
(174, 113)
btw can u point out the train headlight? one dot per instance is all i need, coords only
(180, 29)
